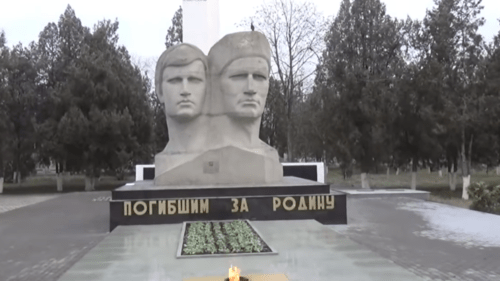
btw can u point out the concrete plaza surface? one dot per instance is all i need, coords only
(433, 240)
(9, 202)
(307, 250)
(41, 242)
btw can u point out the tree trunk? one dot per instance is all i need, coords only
(413, 180)
(453, 183)
(465, 169)
(498, 171)
(469, 163)
(466, 184)
(59, 177)
(451, 176)
(388, 172)
(17, 177)
(454, 179)
(397, 171)
(1, 173)
(59, 182)
(414, 169)
(440, 172)
(89, 183)
(289, 141)
(365, 184)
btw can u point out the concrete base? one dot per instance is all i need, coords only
(381, 193)
(307, 251)
(287, 186)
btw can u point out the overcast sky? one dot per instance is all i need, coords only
(143, 24)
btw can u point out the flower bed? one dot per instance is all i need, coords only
(226, 237)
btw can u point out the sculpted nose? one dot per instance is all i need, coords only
(250, 90)
(185, 92)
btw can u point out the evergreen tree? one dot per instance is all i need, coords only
(174, 32)
(357, 78)
(456, 48)
(19, 103)
(59, 47)
(4, 55)
(111, 103)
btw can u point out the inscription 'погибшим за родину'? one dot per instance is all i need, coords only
(238, 205)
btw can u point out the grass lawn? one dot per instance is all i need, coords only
(71, 183)
(438, 186)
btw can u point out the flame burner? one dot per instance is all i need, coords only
(242, 278)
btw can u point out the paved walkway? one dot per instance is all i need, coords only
(9, 202)
(41, 241)
(434, 241)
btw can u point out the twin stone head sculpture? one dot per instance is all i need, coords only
(213, 107)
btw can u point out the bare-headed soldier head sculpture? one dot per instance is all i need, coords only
(181, 81)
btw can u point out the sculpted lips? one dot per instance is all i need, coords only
(250, 102)
(182, 102)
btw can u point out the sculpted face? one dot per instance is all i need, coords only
(183, 90)
(244, 86)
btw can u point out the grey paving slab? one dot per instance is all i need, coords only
(432, 240)
(41, 241)
(9, 202)
(386, 193)
(307, 251)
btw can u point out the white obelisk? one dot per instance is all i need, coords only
(200, 23)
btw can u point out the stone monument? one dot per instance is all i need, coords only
(214, 166)
(200, 23)
(181, 83)
(216, 139)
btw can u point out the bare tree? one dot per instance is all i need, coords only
(295, 32)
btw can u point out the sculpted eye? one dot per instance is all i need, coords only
(195, 79)
(259, 77)
(175, 80)
(238, 76)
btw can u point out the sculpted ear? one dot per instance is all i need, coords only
(159, 94)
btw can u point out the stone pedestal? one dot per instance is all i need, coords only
(290, 199)
(226, 165)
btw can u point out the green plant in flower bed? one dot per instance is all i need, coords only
(210, 245)
(195, 241)
(221, 239)
(233, 237)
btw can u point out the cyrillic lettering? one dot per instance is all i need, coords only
(330, 202)
(302, 204)
(171, 207)
(204, 205)
(194, 206)
(312, 202)
(183, 206)
(276, 203)
(144, 208)
(321, 202)
(127, 208)
(289, 208)
(162, 207)
(151, 203)
(244, 205)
